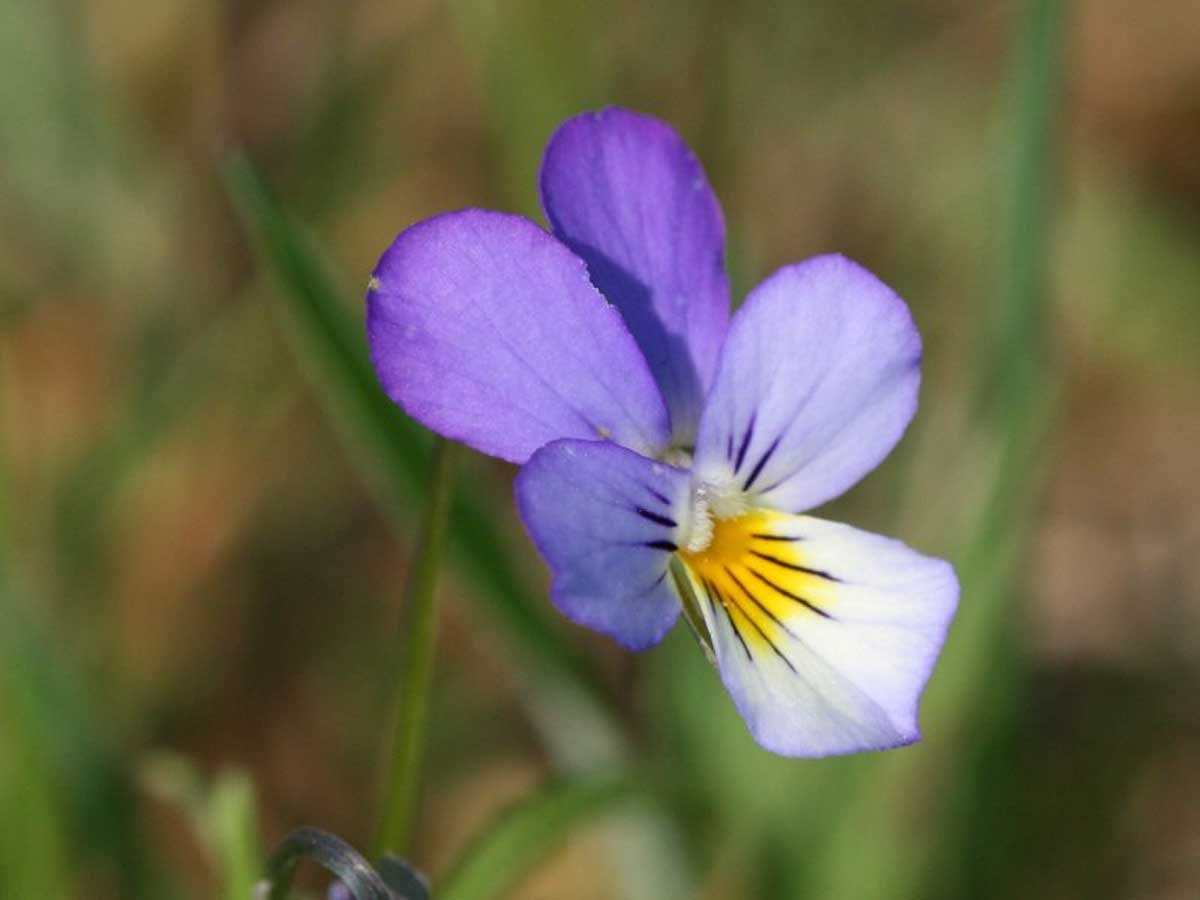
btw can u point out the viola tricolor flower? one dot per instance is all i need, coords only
(670, 451)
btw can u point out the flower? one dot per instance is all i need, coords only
(668, 450)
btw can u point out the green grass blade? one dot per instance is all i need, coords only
(390, 449)
(528, 832)
(223, 814)
(34, 862)
(332, 343)
(982, 676)
(47, 707)
(235, 833)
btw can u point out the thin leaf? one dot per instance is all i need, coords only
(873, 852)
(87, 804)
(528, 832)
(390, 449)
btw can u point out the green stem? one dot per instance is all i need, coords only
(416, 672)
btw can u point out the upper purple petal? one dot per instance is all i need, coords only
(817, 381)
(607, 521)
(487, 330)
(624, 192)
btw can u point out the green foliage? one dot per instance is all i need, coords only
(391, 449)
(223, 814)
(528, 832)
(1041, 278)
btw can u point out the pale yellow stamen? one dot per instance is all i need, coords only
(712, 502)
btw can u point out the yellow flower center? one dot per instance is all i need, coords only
(754, 569)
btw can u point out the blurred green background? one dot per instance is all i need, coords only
(207, 510)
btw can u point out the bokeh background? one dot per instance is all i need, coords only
(207, 513)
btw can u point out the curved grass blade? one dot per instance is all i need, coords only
(529, 831)
(391, 450)
(561, 691)
(332, 854)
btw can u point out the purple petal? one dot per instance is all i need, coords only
(487, 330)
(825, 636)
(624, 192)
(607, 521)
(817, 381)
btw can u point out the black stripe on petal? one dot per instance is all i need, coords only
(716, 604)
(758, 467)
(786, 593)
(774, 484)
(668, 546)
(741, 454)
(656, 518)
(794, 567)
(659, 496)
(657, 582)
(753, 599)
(761, 633)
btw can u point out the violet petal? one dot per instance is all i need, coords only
(487, 330)
(607, 521)
(817, 381)
(624, 192)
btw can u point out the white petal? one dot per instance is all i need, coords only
(825, 635)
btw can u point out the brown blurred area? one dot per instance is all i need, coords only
(193, 533)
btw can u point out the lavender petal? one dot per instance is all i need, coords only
(817, 381)
(607, 522)
(624, 192)
(487, 330)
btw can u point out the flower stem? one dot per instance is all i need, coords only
(416, 671)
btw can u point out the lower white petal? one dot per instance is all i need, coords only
(824, 635)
